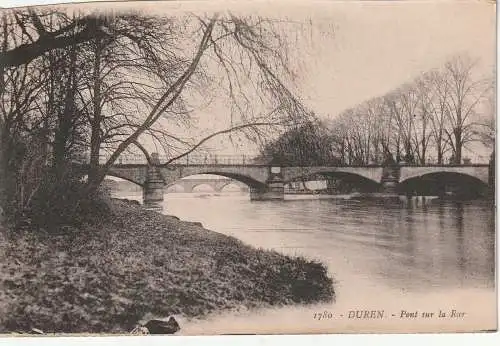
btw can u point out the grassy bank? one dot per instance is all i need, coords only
(106, 276)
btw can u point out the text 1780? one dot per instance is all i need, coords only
(323, 315)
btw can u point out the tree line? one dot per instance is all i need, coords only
(79, 86)
(431, 119)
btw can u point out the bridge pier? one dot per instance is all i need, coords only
(390, 181)
(491, 175)
(274, 190)
(153, 189)
(331, 186)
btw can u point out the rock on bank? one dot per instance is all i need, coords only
(106, 276)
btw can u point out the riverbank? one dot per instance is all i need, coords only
(414, 257)
(136, 264)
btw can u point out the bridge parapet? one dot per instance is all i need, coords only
(191, 159)
(373, 173)
(253, 176)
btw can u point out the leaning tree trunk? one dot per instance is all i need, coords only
(66, 122)
(458, 145)
(3, 175)
(439, 150)
(95, 138)
(3, 162)
(8, 171)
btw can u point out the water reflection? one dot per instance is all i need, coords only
(445, 244)
(423, 252)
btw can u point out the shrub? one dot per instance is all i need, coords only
(62, 201)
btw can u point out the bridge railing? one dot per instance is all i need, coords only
(194, 159)
(467, 160)
(216, 159)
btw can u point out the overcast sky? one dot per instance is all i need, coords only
(377, 47)
(371, 47)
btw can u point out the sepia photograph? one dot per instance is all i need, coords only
(194, 168)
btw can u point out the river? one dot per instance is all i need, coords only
(427, 257)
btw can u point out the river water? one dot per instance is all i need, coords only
(402, 262)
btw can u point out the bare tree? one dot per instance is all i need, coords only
(339, 138)
(431, 115)
(130, 76)
(123, 71)
(19, 89)
(436, 96)
(401, 105)
(424, 114)
(485, 126)
(30, 22)
(465, 94)
(247, 54)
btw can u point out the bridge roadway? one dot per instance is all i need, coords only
(267, 182)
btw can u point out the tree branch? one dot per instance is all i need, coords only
(231, 129)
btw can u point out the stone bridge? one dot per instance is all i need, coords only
(250, 175)
(267, 182)
(217, 185)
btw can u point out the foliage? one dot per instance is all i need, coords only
(63, 203)
(306, 145)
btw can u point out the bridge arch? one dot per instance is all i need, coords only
(478, 172)
(221, 187)
(134, 173)
(125, 177)
(349, 181)
(443, 175)
(216, 184)
(174, 187)
(441, 182)
(254, 177)
(248, 181)
(353, 178)
(198, 185)
(364, 174)
(122, 188)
